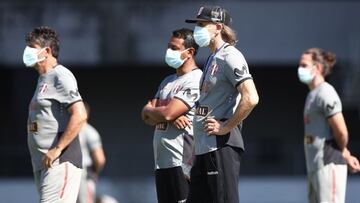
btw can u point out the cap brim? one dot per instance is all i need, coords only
(196, 20)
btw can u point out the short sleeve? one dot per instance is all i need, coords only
(329, 102)
(66, 89)
(161, 86)
(189, 94)
(236, 68)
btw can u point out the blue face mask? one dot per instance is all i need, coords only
(173, 58)
(30, 56)
(305, 75)
(202, 36)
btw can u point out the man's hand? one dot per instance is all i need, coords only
(51, 156)
(215, 127)
(147, 120)
(143, 112)
(182, 122)
(353, 164)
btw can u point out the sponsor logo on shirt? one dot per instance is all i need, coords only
(32, 127)
(190, 95)
(74, 93)
(210, 173)
(240, 72)
(202, 111)
(161, 126)
(329, 107)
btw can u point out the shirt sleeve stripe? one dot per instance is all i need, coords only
(242, 80)
(189, 107)
(68, 106)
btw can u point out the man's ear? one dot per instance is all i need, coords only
(320, 67)
(219, 26)
(192, 51)
(48, 50)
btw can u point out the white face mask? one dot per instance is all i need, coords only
(173, 58)
(31, 56)
(305, 75)
(202, 36)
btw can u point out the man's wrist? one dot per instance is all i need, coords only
(226, 128)
(346, 153)
(58, 147)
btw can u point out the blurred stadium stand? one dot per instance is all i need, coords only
(272, 133)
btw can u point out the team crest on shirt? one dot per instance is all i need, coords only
(214, 69)
(43, 88)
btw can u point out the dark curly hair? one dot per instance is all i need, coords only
(187, 36)
(44, 37)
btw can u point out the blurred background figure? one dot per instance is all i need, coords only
(326, 135)
(93, 161)
(106, 199)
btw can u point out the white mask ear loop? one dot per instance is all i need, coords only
(39, 60)
(183, 52)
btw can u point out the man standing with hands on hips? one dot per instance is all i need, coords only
(227, 96)
(56, 115)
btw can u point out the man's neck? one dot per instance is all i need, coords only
(216, 43)
(316, 82)
(46, 66)
(188, 66)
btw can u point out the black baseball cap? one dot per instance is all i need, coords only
(214, 14)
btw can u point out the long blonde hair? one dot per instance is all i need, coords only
(228, 35)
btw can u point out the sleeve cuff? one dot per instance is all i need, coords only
(242, 80)
(189, 107)
(69, 105)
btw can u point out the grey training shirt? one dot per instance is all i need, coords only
(89, 140)
(321, 103)
(168, 142)
(224, 71)
(48, 116)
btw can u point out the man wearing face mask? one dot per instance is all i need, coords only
(173, 140)
(326, 135)
(56, 115)
(227, 96)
